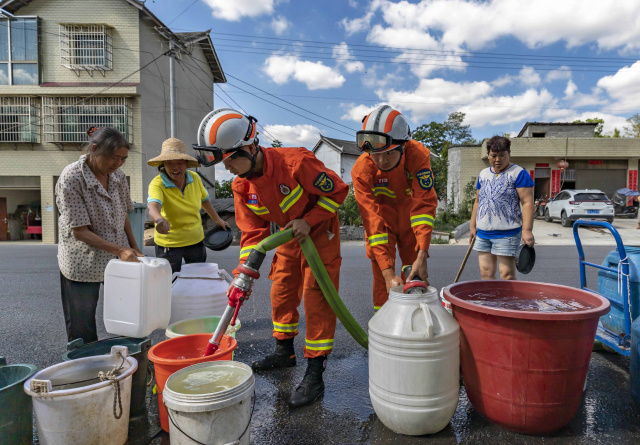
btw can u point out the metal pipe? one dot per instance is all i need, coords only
(172, 88)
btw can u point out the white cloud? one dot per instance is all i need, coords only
(345, 58)
(357, 112)
(353, 3)
(234, 10)
(316, 75)
(295, 135)
(623, 87)
(611, 121)
(279, 25)
(570, 90)
(474, 25)
(562, 73)
(529, 77)
(500, 110)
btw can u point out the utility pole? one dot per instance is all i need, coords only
(172, 88)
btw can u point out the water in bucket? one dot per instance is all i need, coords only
(206, 381)
(529, 302)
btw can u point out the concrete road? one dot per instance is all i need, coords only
(32, 331)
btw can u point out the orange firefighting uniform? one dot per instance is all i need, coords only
(397, 208)
(294, 184)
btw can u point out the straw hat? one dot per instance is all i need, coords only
(173, 150)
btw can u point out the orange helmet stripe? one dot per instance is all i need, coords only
(390, 118)
(364, 125)
(218, 122)
(253, 133)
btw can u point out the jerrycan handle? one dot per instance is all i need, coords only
(428, 319)
(144, 259)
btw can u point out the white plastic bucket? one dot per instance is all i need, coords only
(83, 414)
(217, 418)
(200, 325)
(414, 363)
(137, 296)
(198, 290)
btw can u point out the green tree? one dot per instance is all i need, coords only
(633, 129)
(599, 127)
(223, 189)
(438, 137)
(348, 212)
(616, 133)
(276, 143)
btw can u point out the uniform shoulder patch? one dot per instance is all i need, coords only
(324, 183)
(284, 189)
(425, 179)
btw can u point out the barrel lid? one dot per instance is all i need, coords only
(218, 238)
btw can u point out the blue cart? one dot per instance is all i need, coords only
(619, 342)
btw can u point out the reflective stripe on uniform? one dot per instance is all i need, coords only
(382, 238)
(375, 308)
(258, 210)
(384, 191)
(409, 192)
(281, 327)
(416, 220)
(318, 345)
(328, 204)
(246, 250)
(290, 200)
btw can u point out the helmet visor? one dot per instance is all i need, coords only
(209, 156)
(375, 141)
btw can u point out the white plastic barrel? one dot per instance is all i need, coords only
(137, 296)
(199, 290)
(69, 409)
(214, 418)
(414, 363)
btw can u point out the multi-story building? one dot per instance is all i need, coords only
(68, 65)
(558, 156)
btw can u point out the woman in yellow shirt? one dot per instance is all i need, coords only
(176, 196)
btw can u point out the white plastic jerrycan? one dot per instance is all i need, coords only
(137, 296)
(199, 290)
(414, 363)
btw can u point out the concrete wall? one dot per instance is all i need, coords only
(465, 164)
(194, 97)
(348, 162)
(560, 131)
(330, 157)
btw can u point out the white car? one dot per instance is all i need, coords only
(570, 205)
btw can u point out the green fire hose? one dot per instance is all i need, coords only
(322, 277)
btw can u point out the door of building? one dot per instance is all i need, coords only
(3, 219)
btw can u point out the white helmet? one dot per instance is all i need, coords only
(383, 129)
(224, 131)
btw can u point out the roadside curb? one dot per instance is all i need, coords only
(461, 230)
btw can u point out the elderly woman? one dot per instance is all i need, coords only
(92, 195)
(175, 199)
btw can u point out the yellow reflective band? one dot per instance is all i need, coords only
(328, 204)
(290, 200)
(318, 345)
(281, 327)
(375, 308)
(416, 220)
(258, 210)
(384, 191)
(409, 192)
(382, 238)
(245, 251)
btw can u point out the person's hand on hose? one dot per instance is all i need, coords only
(391, 279)
(419, 268)
(300, 228)
(162, 226)
(129, 254)
(527, 238)
(231, 286)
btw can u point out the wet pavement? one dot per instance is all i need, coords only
(32, 331)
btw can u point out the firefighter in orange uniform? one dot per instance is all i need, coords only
(393, 184)
(291, 187)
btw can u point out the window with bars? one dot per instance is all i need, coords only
(18, 119)
(86, 47)
(67, 119)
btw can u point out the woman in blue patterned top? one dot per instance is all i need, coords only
(497, 220)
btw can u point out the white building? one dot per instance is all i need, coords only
(338, 155)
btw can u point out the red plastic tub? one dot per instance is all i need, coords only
(174, 354)
(525, 371)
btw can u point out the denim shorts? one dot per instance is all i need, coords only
(499, 246)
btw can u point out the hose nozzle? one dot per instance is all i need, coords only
(415, 286)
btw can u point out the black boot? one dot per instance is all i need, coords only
(283, 357)
(312, 386)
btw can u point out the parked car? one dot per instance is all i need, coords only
(570, 205)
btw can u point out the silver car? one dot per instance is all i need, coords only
(570, 205)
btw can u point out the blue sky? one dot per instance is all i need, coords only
(502, 62)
